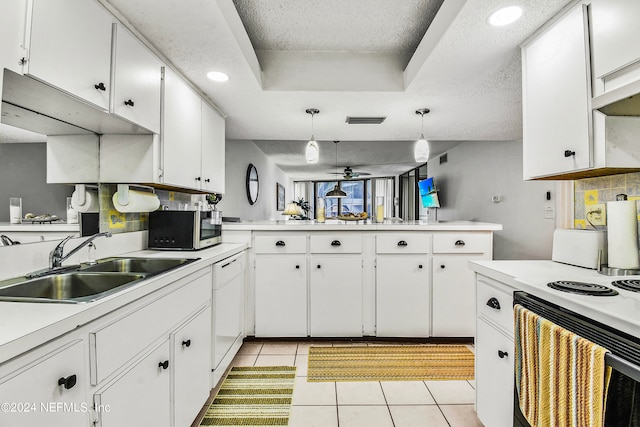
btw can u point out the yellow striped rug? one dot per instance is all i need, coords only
(253, 396)
(391, 363)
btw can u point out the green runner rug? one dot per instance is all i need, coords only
(391, 363)
(253, 396)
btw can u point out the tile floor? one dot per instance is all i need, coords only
(360, 404)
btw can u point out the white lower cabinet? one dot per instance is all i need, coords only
(494, 376)
(191, 346)
(281, 296)
(494, 353)
(140, 396)
(335, 299)
(402, 296)
(49, 391)
(453, 312)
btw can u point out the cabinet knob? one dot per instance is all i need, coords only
(164, 365)
(280, 243)
(459, 243)
(68, 382)
(100, 86)
(336, 243)
(402, 243)
(494, 303)
(318, 266)
(442, 266)
(502, 354)
(129, 102)
(420, 266)
(198, 178)
(207, 180)
(186, 343)
(569, 153)
(297, 267)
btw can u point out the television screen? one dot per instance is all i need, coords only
(428, 193)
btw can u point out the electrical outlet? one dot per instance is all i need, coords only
(549, 212)
(597, 214)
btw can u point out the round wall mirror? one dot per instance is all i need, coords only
(253, 185)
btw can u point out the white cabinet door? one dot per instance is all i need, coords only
(191, 372)
(213, 149)
(402, 296)
(141, 395)
(13, 19)
(137, 81)
(453, 297)
(335, 300)
(616, 32)
(71, 48)
(228, 307)
(556, 99)
(494, 376)
(281, 296)
(35, 397)
(181, 133)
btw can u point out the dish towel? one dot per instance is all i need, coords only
(561, 378)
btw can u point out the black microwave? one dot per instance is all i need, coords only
(183, 230)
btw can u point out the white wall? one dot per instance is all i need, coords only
(239, 153)
(476, 171)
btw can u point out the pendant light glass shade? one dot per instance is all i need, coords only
(421, 149)
(336, 193)
(312, 153)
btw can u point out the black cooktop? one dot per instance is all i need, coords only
(582, 288)
(627, 284)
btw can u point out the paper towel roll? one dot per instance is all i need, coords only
(91, 201)
(622, 234)
(139, 201)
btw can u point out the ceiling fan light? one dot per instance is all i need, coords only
(421, 150)
(336, 193)
(312, 153)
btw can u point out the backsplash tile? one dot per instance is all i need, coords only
(601, 190)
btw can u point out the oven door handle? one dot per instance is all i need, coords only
(622, 366)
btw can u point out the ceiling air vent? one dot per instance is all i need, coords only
(365, 120)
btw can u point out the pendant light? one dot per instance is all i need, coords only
(421, 150)
(312, 153)
(336, 193)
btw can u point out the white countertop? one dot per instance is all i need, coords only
(365, 225)
(37, 227)
(26, 325)
(621, 311)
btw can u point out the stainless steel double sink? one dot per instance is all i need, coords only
(86, 282)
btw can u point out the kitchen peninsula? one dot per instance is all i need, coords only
(354, 279)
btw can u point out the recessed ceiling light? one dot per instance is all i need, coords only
(505, 16)
(218, 76)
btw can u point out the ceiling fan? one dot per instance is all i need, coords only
(349, 173)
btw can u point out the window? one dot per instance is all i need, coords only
(354, 202)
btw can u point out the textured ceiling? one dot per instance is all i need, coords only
(467, 72)
(337, 25)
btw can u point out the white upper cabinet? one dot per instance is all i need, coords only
(70, 48)
(192, 139)
(13, 30)
(556, 98)
(213, 150)
(137, 81)
(615, 47)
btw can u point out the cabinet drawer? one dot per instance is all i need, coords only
(495, 305)
(278, 244)
(118, 342)
(464, 243)
(336, 243)
(402, 243)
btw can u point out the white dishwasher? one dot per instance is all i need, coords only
(228, 313)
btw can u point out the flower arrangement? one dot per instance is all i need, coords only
(304, 205)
